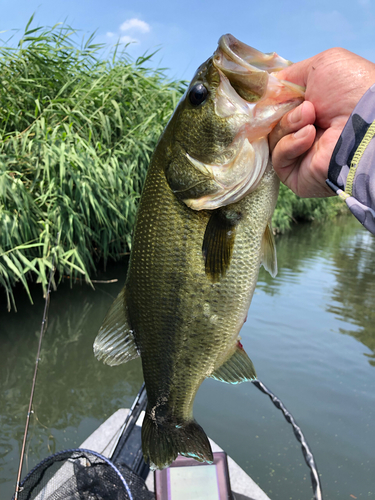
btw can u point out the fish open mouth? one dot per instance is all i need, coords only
(247, 68)
(251, 99)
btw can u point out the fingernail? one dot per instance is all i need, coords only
(296, 114)
(302, 132)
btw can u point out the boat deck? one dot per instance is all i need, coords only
(107, 438)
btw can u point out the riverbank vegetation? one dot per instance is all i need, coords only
(77, 129)
(291, 209)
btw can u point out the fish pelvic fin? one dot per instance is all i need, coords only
(162, 442)
(238, 368)
(269, 258)
(218, 242)
(115, 342)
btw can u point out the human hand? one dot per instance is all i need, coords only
(303, 141)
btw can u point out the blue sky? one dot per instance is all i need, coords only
(186, 32)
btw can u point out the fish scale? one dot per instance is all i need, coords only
(182, 330)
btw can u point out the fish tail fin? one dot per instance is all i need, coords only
(161, 443)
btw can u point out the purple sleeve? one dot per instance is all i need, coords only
(351, 173)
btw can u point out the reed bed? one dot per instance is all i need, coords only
(76, 136)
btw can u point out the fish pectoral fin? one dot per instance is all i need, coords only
(269, 257)
(218, 242)
(238, 368)
(115, 342)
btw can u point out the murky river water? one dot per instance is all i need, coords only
(310, 333)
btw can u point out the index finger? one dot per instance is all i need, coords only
(302, 115)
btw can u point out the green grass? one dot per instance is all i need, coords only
(77, 129)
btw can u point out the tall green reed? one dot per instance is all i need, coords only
(76, 135)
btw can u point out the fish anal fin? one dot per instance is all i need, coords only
(115, 342)
(238, 368)
(269, 258)
(218, 242)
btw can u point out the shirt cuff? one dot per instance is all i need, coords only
(351, 173)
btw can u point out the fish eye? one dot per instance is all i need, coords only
(198, 94)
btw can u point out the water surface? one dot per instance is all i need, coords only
(310, 333)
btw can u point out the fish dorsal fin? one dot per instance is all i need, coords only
(218, 243)
(238, 368)
(269, 258)
(115, 343)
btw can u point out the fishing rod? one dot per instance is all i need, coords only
(30, 411)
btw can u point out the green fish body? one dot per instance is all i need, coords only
(202, 232)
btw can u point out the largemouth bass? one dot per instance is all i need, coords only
(203, 229)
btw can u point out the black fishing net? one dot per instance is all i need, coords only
(82, 475)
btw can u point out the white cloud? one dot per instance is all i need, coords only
(136, 25)
(110, 34)
(128, 39)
